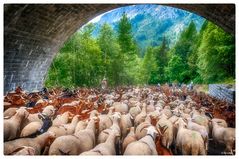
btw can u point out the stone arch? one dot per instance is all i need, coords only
(33, 34)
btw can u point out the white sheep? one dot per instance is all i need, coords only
(106, 148)
(81, 141)
(167, 138)
(129, 138)
(37, 143)
(12, 125)
(145, 146)
(222, 135)
(189, 141)
(199, 128)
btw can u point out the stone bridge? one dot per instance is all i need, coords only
(34, 33)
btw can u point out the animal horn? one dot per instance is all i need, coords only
(164, 128)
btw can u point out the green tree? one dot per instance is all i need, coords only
(184, 48)
(161, 60)
(175, 69)
(149, 67)
(129, 51)
(216, 55)
(78, 63)
(111, 56)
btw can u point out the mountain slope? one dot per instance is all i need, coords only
(150, 23)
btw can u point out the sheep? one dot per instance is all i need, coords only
(168, 136)
(220, 122)
(31, 118)
(173, 119)
(65, 129)
(140, 130)
(120, 107)
(134, 111)
(94, 113)
(188, 109)
(199, 128)
(61, 119)
(201, 120)
(133, 102)
(222, 135)
(24, 150)
(35, 128)
(184, 115)
(106, 148)
(37, 143)
(141, 116)
(129, 138)
(125, 124)
(80, 141)
(31, 128)
(189, 141)
(103, 136)
(194, 112)
(12, 125)
(9, 112)
(144, 146)
(105, 120)
(167, 111)
(49, 111)
(81, 125)
(150, 108)
(155, 114)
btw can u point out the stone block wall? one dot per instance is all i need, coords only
(223, 92)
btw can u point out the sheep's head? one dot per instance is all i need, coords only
(152, 131)
(116, 115)
(180, 123)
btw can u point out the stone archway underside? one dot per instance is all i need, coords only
(33, 34)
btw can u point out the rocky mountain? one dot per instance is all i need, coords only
(150, 23)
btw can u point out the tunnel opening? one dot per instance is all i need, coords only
(156, 33)
(30, 49)
(34, 36)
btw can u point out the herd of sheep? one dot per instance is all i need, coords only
(125, 121)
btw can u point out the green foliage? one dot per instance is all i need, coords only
(175, 69)
(129, 52)
(161, 60)
(149, 67)
(184, 48)
(204, 57)
(216, 55)
(110, 51)
(79, 62)
(125, 36)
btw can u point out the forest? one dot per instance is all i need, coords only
(205, 56)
